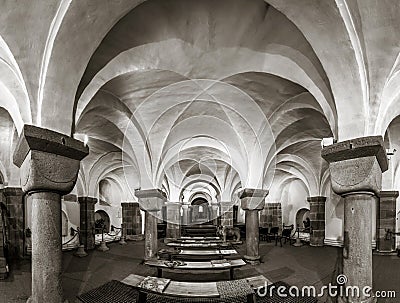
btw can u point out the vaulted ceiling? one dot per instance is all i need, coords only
(190, 95)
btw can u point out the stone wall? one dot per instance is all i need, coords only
(271, 215)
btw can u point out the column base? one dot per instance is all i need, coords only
(80, 252)
(298, 243)
(103, 246)
(253, 260)
(122, 241)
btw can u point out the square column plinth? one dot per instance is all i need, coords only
(49, 164)
(356, 168)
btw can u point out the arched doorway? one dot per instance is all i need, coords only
(301, 215)
(200, 211)
(101, 218)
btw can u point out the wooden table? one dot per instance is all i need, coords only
(197, 266)
(195, 289)
(181, 289)
(207, 254)
(194, 245)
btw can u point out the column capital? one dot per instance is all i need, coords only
(49, 161)
(320, 199)
(151, 199)
(388, 194)
(88, 200)
(252, 199)
(356, 165)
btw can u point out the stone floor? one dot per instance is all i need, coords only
(295, 265)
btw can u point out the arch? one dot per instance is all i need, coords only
(101, 217)
(301, 216)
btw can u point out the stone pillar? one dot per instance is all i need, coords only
(252, 201)
(131, 219)
(226, 213)
(356, 168)
(49, 164)
(214, 213)
(14, 200)
(173, 220)
(317, 218)
(151, 201)
(87, 235)
(386, 221)
(3, 261)
(185, 214)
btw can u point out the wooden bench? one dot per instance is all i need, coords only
(203, 291)
(213, 265)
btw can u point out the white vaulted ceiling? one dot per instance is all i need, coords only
(204, 94)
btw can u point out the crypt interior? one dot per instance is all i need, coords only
(205, 147)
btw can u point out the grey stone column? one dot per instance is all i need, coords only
(226, 213)
(14, 201)
(386, 221)
(317, 219)
(49, 164)
(3, 261)
(87, 228)
(151, 201)
(271, 215)
(173, 220)
(185, 214)
(131, 219)
(252, 201)
(214, 213)
(356, 168)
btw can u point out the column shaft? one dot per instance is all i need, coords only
(173, 220)
(150, 233)
(357, 252)
(252, 235)
(46, 247)
(386, 222)
(87, 220)
(15, 220)
(317, 218)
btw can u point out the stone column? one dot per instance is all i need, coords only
(214, 213)
(86, 205)
(252, 201)
(317, 218)
(3, 261)
(14, 197)
(131, 219)
(151, 201)
(226, 213)
(173, 220)
(356, 168)
(185, 214)
(49, 164)
(386, 221)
